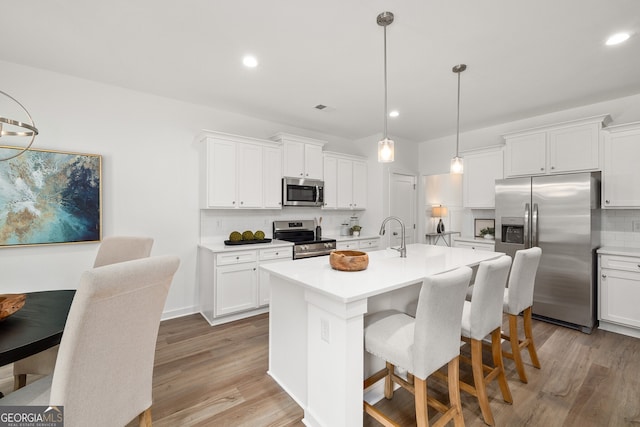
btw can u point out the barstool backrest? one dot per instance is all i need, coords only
(487, 298)
(438, 320)
(522, 279)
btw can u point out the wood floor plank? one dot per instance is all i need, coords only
(216, 376)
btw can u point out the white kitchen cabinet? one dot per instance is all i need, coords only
(330, 182)
(481, 169)
(621, 174)
(360, 244)
(565, 147)
(301, 157)
(619, 293)
(236, 288)
(231, 285)
(476, 244)
(238, 172)
(345, 182)
(272, 175)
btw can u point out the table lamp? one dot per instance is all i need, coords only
(438, 212)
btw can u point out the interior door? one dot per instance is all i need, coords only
(402, 201)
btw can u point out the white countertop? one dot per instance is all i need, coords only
(221, 247)
(619, 250)
(386, 270)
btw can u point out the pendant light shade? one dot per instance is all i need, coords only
(385, 145)
(457, 164)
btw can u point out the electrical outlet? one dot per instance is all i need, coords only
(636, 226)
(325, 331)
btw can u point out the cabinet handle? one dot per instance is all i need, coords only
(242, 203)
(553, 167)
(277, 253)
(301, 174)
(234, 202)
(541, 169)
(606, 201)
(604, 276)
(254, 269)
(307, 174)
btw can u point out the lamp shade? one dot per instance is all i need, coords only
(385, 150)
(438, 211)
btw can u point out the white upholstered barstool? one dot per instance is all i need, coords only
(518, 298)
(112, 250)
(104, 370)
(482, 316)
(421, 345)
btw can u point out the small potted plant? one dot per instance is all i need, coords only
(355, 230)
(488, 233)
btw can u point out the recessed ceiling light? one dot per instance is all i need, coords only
(617, 39)
(394, 113)
(250, 61)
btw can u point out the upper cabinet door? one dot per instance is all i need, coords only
(330, 182)
(220, 174)
(621, 174)
(479, 179)
(359, 185)
(293, 159)
(249, 175)
(574, 148)
(526, 155)
(272, 173)
(313, 161)
(345, 184)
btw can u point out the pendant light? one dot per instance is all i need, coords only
(457, 164)
(385, 145)
(11, 127)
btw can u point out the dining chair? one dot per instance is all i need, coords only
(482, 317)
(104, 370)
(421, 345)
(518, 298)
(112, 250)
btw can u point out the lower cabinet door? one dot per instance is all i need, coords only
(236, 288)
(619, 296)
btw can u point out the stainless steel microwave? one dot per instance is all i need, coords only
(302, 192)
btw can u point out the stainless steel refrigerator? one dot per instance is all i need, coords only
(561, 215)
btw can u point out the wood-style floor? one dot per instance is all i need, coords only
(216, 376)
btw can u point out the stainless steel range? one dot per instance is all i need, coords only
(302, 234)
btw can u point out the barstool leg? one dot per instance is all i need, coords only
(528, 333)
(388, 382)
(515, 347)
(479, 381)
(496, 351)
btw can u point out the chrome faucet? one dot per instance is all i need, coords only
(403, 247)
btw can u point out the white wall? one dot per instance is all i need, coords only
(149, 175)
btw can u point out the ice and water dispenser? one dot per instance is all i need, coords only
(512, 230)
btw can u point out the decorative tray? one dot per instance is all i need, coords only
(246, 242)
(10, 303)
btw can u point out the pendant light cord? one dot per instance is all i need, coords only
(385, 82)
(458, 121)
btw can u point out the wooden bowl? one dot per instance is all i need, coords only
(10, 303)
(349, 260)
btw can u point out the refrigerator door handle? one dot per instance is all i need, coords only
(534, 226)
(526, 226)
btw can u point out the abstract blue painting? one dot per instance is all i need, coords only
(49, 197)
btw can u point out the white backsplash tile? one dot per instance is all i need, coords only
(617, 227)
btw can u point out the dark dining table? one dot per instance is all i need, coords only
(37, 326)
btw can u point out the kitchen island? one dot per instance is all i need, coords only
(316, 350)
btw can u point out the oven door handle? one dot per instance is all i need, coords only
(317, 194)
